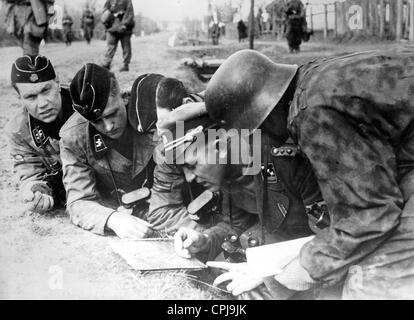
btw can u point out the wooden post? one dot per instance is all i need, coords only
(372, 4)
(382, 18)
(311, 18)
(399, 23)
(336, 19)
(344, 22)
(274, 22)
(325, 29)
(411, 20)
(251, 35)
(406, 20)
(377, 17)
(393, 17)
(365, 15)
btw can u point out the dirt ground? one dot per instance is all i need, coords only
(45, 257)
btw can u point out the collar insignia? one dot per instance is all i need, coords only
(99, 143)
(39, 136)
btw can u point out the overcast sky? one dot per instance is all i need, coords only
(175, 10)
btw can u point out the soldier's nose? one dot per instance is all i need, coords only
(42, 102)
(189, 176)
(108, 125)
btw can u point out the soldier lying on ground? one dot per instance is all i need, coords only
(34, 132)
(287, 181)
(171, 193)
(352, 116)
(106, 153)
(171, 94)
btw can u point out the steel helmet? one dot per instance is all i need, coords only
(246, 88)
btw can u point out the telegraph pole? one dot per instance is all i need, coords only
(251, 35)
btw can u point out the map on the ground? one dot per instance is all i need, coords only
(153, 255)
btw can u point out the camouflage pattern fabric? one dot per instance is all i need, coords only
(353, 118)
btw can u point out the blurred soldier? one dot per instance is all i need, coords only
(107, 150)
(88, 24)
(352, 116)
(242, 30)
(67, 23)
(295, 24)
(118, 18)
(27, 20)
(34, 132)
(215, 33)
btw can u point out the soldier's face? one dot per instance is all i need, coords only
(42, 100)
(197, 168)
(113, 121)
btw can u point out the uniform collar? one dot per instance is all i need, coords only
(41, 132)
(143, 145)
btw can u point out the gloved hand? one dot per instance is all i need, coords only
(38, 198)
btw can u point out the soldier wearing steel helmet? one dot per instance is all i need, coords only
(352, 117)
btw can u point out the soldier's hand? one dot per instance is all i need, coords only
(188, 241)
(38, 202)
(127, 226)
(241, 278)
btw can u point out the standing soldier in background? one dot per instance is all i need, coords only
(296, 25)
(67, 29)
(215, 33)
(118, 18)
(88, 23)
(34, 132)
(27, 20)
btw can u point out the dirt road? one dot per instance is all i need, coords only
(45, 257)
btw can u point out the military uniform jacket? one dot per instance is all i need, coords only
(34, 145)
(290, 185)
(20, 18)
(353, 117)
(127, 8)
(88, 159)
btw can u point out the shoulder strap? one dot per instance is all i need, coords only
(288, 149)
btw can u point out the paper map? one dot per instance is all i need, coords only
(151, 255)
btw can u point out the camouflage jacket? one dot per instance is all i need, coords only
(34, 145)
(94, 171)
(353, 118)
